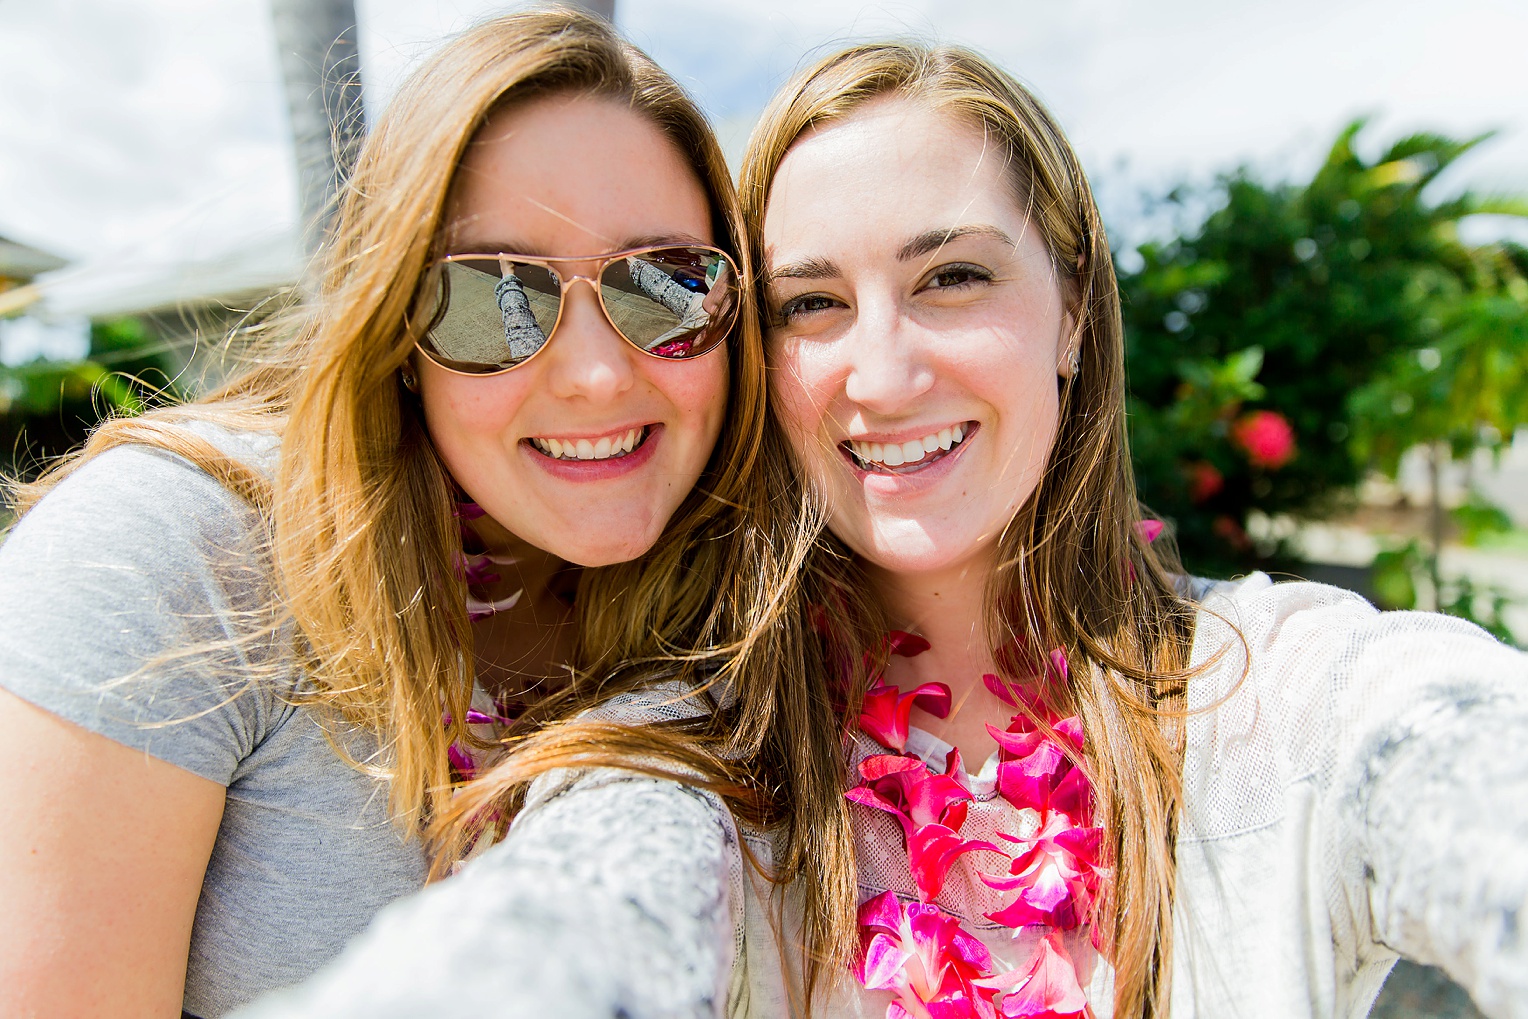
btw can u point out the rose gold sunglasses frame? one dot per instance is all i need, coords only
(604, 262)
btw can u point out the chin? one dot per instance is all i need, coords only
(606, 553)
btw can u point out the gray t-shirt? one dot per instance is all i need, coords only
(119, 594)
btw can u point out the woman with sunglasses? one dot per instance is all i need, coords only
(249, 643)
(1189, 799)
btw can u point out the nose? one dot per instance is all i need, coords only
(888, 367)
(586, 358)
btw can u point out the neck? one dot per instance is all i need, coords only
(531, 642)
(948, 609)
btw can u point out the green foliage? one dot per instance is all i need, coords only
(47, 407)
(1366, 324)
(1394, 585)
(1478, 521)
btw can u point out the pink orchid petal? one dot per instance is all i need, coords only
(1149, 530)
(477, 608)
(461, 761)
(930, 796)
(884, 959)
(932, 851)
(469, 510)
(933, 698)
(1050, 989)
(1073, 796)
(905, 645)
(884, 912)
(1058, 663)
(1083, 843)
(955, 768)
(884, 715)
(1015, 744)
(1071, 728)
(875, 768)
(999, 689)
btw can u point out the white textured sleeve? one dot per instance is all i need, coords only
(1411, 732)
(613, 895)
(1432, 809)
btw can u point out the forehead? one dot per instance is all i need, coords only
(573, 174)
(891, 170)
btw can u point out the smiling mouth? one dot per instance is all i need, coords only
(906, 457)
(606, 447)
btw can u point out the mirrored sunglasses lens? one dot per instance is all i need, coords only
(497, 314)
(674, 302)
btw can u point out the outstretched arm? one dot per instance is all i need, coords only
(612, 896)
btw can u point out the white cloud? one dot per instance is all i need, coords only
(141, 127)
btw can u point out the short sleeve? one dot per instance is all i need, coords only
(135, 602)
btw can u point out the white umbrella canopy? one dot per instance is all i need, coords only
(117, 285)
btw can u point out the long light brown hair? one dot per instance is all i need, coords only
(362, 535)
(1073, 569)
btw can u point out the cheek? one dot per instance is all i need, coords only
(462, 413)
(801, 390)
(698, 391)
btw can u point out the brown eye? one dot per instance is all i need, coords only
(952, 276)
(803, 305)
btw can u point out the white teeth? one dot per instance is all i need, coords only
(586, 449)
(895, 454)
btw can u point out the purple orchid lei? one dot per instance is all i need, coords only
(476, 569)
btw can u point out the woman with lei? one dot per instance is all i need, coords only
(993, 754)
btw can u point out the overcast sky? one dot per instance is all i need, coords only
(149, 129)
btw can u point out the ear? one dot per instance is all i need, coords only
(1068, 347)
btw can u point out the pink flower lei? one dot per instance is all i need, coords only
(919, 952)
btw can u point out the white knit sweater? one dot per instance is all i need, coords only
(1355, 789)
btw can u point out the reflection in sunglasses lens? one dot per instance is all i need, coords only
(672, 303)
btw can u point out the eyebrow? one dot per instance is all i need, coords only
(923, 244)
(933, 240)
(806, 269)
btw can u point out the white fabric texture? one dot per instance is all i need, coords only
(1356, 788)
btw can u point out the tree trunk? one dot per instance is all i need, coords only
(1437, 457)
(321, 71)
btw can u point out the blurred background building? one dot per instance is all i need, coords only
(1317, 210)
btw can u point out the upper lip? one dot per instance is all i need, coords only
(908, 434)
(607, 433)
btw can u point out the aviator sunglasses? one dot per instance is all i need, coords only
(496, 312)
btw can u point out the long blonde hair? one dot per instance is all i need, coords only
(362, 536)
(1073, 568)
